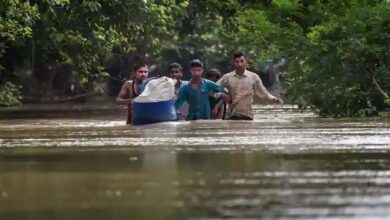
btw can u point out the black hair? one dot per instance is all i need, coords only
(196, 63)
(238, 54)
(137, 66)
(213, 73)
(175, 65)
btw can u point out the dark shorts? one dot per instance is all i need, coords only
(240, 117)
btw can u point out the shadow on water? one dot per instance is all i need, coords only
(283, 165)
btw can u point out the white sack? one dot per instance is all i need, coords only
(157, 90)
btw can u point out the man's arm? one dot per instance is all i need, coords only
(219, 94)
(215, 110)
(262, 92)
(214, 87)
(219, 91)
(123, 96)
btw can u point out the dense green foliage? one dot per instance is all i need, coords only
(343, 68)
(338, 51)
(16, 22)
(53, 47)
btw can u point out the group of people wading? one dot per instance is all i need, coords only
(217, 96)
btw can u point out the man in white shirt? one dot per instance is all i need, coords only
(242, 85)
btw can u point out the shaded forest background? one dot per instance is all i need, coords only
(338, 51)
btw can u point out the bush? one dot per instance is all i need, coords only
(344, 69)
(9, 94)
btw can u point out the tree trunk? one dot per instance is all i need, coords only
(379, 88)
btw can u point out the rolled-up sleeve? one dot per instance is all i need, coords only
(215, 87)
(260, 90)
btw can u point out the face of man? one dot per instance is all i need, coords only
(196, 71)
(142, 73)
(239, 63)
(176, 73)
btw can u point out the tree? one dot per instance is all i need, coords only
(68, 44)
(344, 66)
(336, 50)
(16, 19)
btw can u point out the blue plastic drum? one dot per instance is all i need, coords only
(153, 112)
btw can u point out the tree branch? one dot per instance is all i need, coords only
(379, 88)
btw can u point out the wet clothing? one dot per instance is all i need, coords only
(179, 84)
(198, 99)
(221, 110)
(241, 89)
(182, 112)
(134, 93)
(213, 102)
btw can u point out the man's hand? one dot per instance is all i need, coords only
(225, 97)
(278, 101)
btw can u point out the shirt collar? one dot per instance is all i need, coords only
(245, 73)
(202, 81)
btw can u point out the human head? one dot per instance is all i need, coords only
(196, 68)
(175, 70)
(141, 71)
(213, 75)
(239, 61)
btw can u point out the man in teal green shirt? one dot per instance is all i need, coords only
(197, 93)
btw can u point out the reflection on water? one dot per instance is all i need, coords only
(283, 165)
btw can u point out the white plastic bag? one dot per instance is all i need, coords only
(157, 90)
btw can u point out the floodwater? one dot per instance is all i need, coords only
(284, 165)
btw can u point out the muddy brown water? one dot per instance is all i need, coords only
(284, 165)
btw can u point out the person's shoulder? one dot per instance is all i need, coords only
(128, 83)
(208, 81)
(254, 76)
(251, 74)
(184, 87)
(226, 76)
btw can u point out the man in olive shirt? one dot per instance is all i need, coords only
(242, 85)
